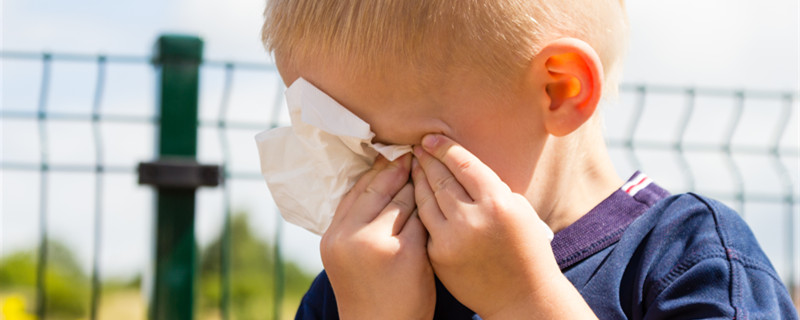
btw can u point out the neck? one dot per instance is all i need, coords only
(573, 176)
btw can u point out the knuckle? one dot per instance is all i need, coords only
(470, 223)
(423, 200)
(403, 204)
(379, 192)
(443, 183)
(474, 225)
(463, 165)
(496, 206)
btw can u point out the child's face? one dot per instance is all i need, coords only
(503, 129)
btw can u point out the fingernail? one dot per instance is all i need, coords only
(429, 141)
(414, 163)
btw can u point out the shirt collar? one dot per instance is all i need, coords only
(604, 224)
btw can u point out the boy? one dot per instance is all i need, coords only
(498, 98)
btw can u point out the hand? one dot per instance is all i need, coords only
(374, 250)
(485, 242)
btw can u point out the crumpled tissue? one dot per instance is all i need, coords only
(311, 165)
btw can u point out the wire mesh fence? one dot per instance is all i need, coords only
(740, 146)
(96, 117)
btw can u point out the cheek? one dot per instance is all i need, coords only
(511, 152)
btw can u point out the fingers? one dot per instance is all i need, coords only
(447, 190)
(380, 164)
(358, 189)
(428, 209)
(393, 218)
(476, 178)
(380, 191)
(414, 230)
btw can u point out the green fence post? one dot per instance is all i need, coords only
(177, 60)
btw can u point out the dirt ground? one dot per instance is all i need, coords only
(123, 305)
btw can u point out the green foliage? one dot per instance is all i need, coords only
(252, 276)
(67, 289)
(252, 271)
(18, 270)
(122, 284)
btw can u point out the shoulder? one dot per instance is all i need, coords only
(690, 227)
(700, 254)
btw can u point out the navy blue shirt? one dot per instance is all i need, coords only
(643, 254)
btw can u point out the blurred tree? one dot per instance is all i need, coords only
(252, 275)
(252, 279)
(67, 287)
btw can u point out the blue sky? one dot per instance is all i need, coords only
(716, 43)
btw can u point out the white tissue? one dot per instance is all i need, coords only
(311, 165)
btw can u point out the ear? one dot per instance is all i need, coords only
(570, 74)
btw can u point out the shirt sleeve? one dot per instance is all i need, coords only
(319, 301)
(721, 273)
(718, 288)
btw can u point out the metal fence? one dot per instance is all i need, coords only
(628, 139)
(170, 302)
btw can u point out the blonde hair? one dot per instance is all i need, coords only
(497, 38)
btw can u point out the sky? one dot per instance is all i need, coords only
(716, 43)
